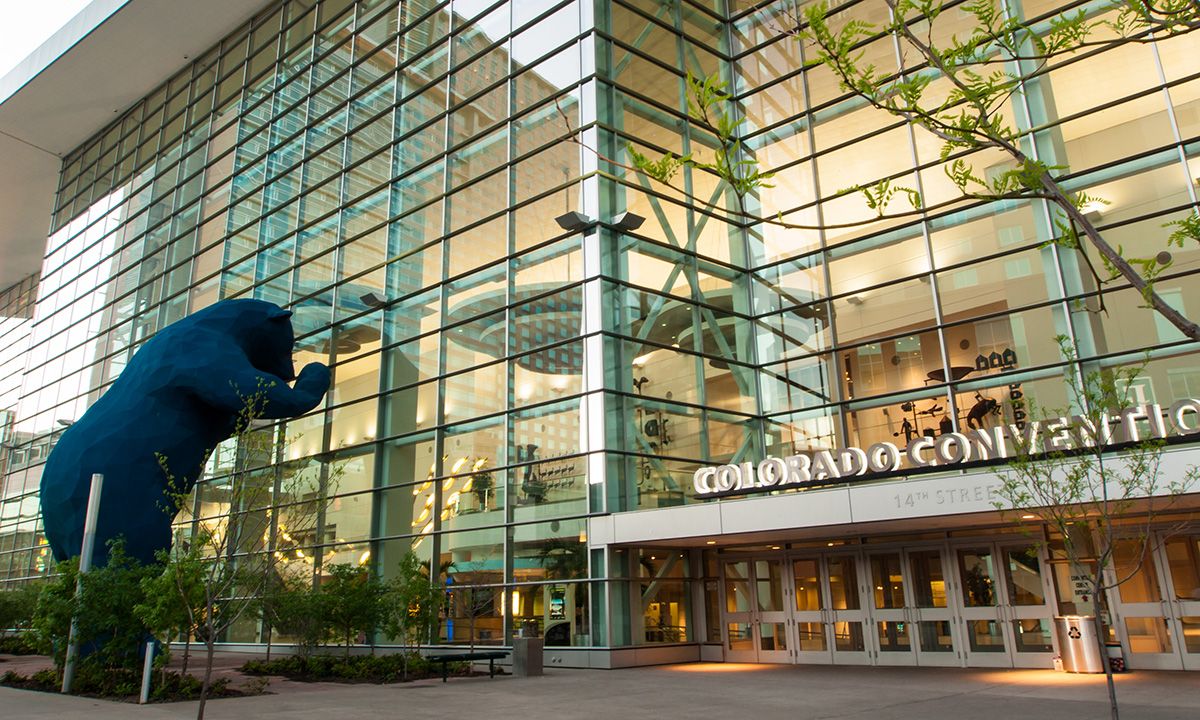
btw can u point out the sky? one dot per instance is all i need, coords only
(27, 25)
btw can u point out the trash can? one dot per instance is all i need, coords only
(527, 657)
(1077, 644)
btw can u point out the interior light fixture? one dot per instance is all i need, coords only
(855, 300)
(573, 221)
(1093, 210)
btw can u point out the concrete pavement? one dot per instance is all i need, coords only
(739, 692)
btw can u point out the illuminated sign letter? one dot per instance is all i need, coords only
(852, 461)
(914, 451)
(1179, 412)
(988, 443)
(798, 468)
(952, 448)
(728, 477)
(772, 471)
(824, 466)
(883, 457)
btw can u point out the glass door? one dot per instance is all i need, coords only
(1030, 616)
(890, 615)
(846, 617)
(771, 612)
(1183, 561)
(756, 627)
(982, 614)
(740, 640)
(932, 616)
(810, 611)
(1140, 612)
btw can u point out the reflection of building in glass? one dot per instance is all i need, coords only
(508, 393)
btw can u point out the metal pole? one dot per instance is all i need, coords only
(85, 564)
(147, 668)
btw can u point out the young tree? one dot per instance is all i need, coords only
(353, 602)
(955, 87)
(222, 566)
(469, 598)
(169, 598)
(293, 607)
(413, 606)
(1080, 493)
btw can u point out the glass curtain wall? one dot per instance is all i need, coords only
(22, 554)
(873, 330)
(677, 291)
(391, 172)
(734, 336)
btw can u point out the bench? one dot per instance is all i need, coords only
(490, 655)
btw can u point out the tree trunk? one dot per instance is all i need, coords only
(471, 640)
(187, 651)
(210, 646)
(1101, 637)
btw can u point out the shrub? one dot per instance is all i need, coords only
(109, 632)
(358, 668)
(118, 683)
(22, 644)
(17, 607)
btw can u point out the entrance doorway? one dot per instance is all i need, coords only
(1156, 612)
(937, 604)
(756, 615)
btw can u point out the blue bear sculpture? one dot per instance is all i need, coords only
(178, 397)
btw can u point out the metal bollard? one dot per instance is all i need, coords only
(85, 564)
(147, 669)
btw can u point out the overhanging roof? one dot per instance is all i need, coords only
(103, 60)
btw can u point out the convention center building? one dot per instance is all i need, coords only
(655, 424)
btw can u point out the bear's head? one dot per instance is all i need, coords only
(262, 329)
(271, 349)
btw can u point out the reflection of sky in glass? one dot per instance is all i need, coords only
(76, 273)
(533, 43)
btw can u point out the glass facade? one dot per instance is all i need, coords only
(518, 378)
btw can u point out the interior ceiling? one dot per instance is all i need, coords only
(113, 53)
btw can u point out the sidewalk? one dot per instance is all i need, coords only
(701, 691)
